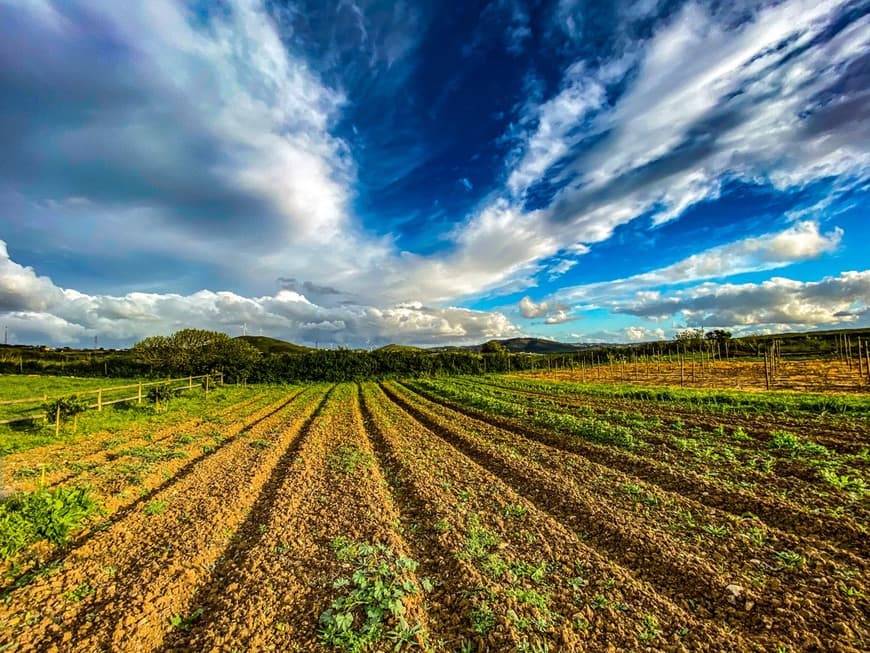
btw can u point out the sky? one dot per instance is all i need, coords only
(355, 173)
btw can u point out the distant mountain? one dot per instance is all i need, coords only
(529, 346)
(269, 345)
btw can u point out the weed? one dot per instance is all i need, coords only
(843, 481)
(441, 526)
(374, 606)
(154, 507)
(151, 454)
(755, 535)
(785, 441)
(648, 628)
(515, 511)
(482, 619)
(49, 514)
(260, 444)
(717, 531)
(850, 591)
(80, 592)
(535, 573)
(348, 458)
(790, 559)
(185, 622)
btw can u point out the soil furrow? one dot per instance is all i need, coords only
(784, 476)
(777, 513)
(125, 583)
(270, 588)
(681, 570)
(597, 604)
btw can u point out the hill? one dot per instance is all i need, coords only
(269, 345)
(395, 347)
(528, 346)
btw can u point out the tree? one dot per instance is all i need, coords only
(493, 347)
(196, 351)
(689, 339)
(718, 336)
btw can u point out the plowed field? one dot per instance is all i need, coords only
(457, 515)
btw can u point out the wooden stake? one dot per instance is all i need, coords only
(99, 399)
(57, 420)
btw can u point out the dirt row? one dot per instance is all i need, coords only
(270, 587)
(126, 583)
(781, 474)
(91, 461)
(774, 511)
(790, 604)
(833, 431)
(527, 578)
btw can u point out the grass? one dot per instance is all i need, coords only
(23, 436)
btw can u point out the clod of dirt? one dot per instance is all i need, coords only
(733, 593)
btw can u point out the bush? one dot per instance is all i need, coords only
(66, 406)
(159, 394)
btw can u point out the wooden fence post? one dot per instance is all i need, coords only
(190, 381)
(57, 420)
(140, 392)
(99, 399)
(206, 385)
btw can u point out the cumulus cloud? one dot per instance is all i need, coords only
(801, 242)
(36, 309)
(554, 313)
(832, 300)
(530, 309)
(558, 317)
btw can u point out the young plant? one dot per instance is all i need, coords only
(373, 606)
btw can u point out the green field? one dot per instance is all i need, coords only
(24, 435)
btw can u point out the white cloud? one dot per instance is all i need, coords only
(530, 309)
(801, 242)
(37, 310)
(777, 301)
(558, 317)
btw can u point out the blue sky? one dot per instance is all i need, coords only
(357, 173)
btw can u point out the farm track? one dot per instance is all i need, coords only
(93, 449)
(775, 512)
(447, 487)
(789, 477)
(681, 570)
(123, 584)
(840, 435)
(269, 588)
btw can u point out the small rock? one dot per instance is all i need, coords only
(748, 605)
(733, 592)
